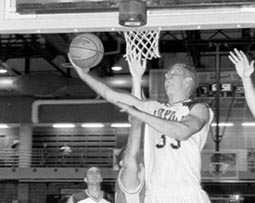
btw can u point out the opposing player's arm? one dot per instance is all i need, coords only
(70, 200)
(181, 130)
(249, 91)
(244, 69)
(137, 67)
(131, 163)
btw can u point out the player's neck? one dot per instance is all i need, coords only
(176, 98)
(94, 191)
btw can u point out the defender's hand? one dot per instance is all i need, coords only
(137, 65)
(243, 67)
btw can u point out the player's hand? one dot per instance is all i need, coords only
(134, 121)
(244, 68)
(132, 111)
(78, 69)
(137, 65)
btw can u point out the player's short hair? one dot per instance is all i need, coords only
(91, 168)
(190, 72)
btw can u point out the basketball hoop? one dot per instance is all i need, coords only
(143, 43)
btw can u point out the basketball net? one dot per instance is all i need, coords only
(143, 44)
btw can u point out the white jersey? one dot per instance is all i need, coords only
(172, 167)
(85, 197)
(123, 195)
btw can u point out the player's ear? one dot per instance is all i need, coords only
(85, 180)
(101, 179)
(189, 84)
(121, 163)
(189, 80)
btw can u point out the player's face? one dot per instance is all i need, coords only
(93, 176)
(174, 79)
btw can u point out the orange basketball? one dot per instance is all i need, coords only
(86, 50)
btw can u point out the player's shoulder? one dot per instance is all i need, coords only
(81, 195)
(107, 198)
(195, 102)
(105, 201)
(124, 196)
(119, 194)
(153, 104)
(201, 109)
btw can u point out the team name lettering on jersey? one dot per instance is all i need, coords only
(167, 114)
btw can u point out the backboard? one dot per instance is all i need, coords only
(55, 16)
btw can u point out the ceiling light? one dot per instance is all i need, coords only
(223, 124)
(92, 125)
(2, 126)
(248, 124)
(63, 125)
(120, 64)
(3, 71)
(66, 65)
(5, 82)
(116, 68)
(120, 125)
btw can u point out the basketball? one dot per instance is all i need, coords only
(86, 50)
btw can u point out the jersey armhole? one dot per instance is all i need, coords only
(134, 190)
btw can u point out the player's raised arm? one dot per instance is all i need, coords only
(137, 67)
(131, 162)
(131, 176)
(245, 69)
(132, 169)
(105, 91)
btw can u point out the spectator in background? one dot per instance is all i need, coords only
(15, 144)
(93, 193)
(65, 149)
(65, 152)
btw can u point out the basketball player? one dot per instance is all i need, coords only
(244, 69)
(130, 181)
(93, 194)
(174, 136)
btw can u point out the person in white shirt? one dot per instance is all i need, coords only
(93, 193)
(175, 134)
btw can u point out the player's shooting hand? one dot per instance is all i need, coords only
(243, 67)
(78, 69)
(136, 64)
